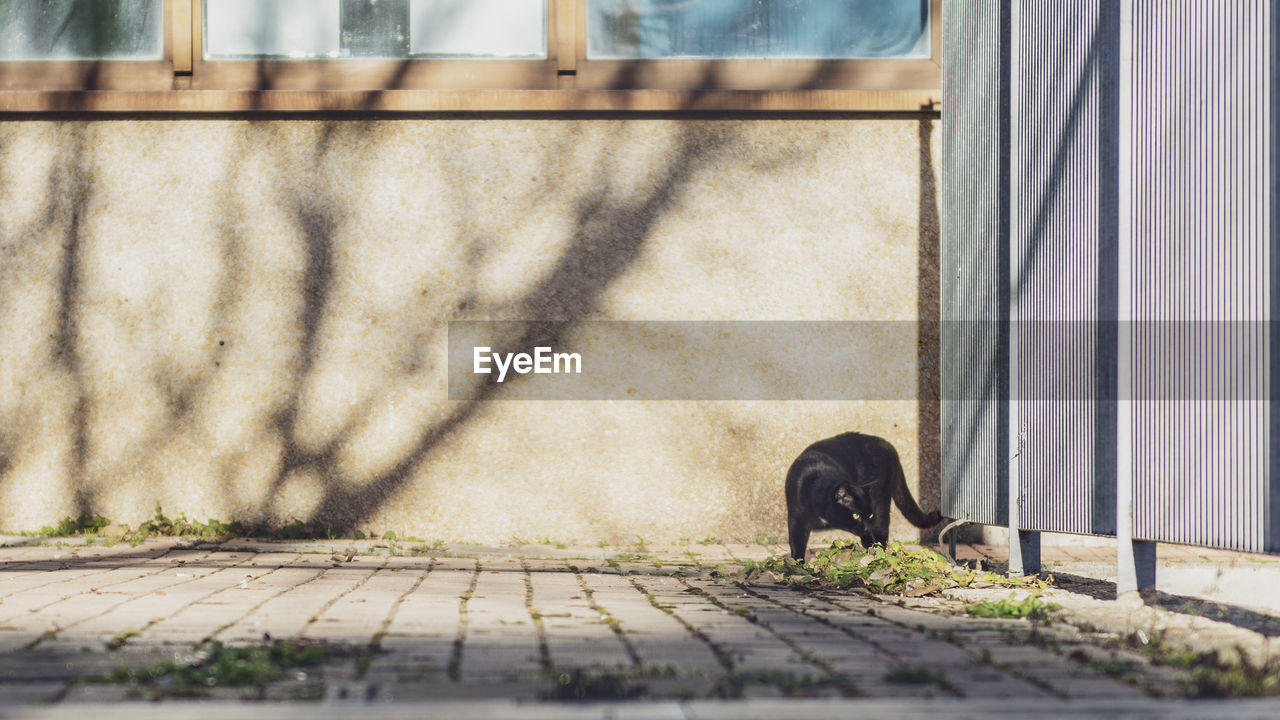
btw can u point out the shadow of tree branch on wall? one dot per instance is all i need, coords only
(928, 313)
(72, 184)
(317, 222)
(609, 232)
(311, 177)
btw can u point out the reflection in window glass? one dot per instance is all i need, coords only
(718, 29)
(81, 29)
(375, 28)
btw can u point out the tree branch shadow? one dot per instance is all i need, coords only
(929, 338)
(73, 182)
(609, 236)
(610, 229)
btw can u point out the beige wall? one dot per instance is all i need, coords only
(247, 320)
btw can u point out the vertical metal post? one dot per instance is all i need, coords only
(1271, 541)
(1135, 559)
(1024, 546)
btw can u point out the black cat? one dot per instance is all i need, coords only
(846, 482)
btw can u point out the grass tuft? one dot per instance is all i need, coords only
(217, 666)
(1031, 607)
(892, 570)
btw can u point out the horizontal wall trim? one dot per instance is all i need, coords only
(221, 101)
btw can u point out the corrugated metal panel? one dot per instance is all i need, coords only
(1272, 500)
(1202, 257)
(974, 255)
(1063, 235)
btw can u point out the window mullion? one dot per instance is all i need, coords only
(565, 19)
(180, 15)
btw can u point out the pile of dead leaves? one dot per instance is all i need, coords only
(892, 570)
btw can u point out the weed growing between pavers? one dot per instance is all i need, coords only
(1238, 679)
(1031, 607)
(632, 557)
(427, 547)
(587, 684)
(122, 637)
(160, 525)
(912, 675)
(218, 666)
(739, 683)
(163, 526)
(892, 570)
(454, 670)
(1122, 670)
(98, 528)
(1213, 674)
(69, 527)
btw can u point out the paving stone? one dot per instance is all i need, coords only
(444, 630)
(22, 693)
(576, 633)
(984, 681)
(92, 693)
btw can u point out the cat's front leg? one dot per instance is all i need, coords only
(798, 536)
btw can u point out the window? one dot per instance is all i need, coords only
(81, 30)
(469, 54)
(83, 44)
(374, 45)
(862, 45)
(757, 29)
(341, 29)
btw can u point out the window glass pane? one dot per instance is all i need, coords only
(497, 28)
(375, 28)
(81, 29)
(816, 29)
(272, 28)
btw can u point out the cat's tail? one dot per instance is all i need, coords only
(907, 504)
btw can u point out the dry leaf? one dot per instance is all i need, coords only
(883, 575)
(922, 590)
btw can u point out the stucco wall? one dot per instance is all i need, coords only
(247, 320)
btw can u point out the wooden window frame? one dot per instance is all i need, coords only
(566, 80)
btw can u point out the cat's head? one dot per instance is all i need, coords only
(856, 499)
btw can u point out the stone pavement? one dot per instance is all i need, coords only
(1242, 579)
(509, 632)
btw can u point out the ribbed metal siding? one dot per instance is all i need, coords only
(974, 254)
(1063, 235)
(1201, 266)
(1202, 199)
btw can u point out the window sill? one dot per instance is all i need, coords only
(467, 101)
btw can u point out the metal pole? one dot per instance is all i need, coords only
(1024, 547)
(1135, 559)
